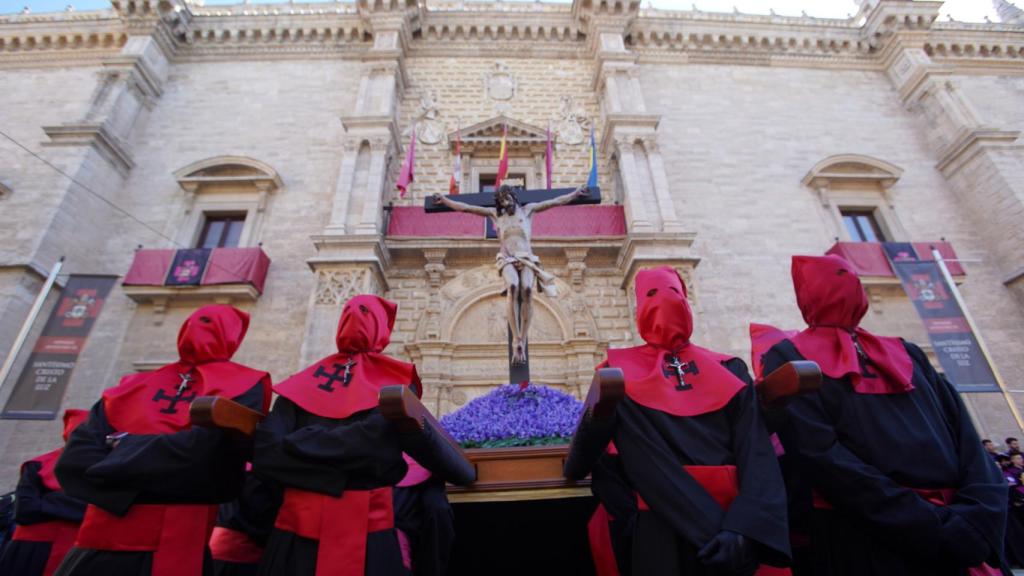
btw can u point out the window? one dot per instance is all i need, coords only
(487, 181)
(222, 230)
(862, 226)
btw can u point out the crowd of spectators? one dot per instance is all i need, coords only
(1011, 462)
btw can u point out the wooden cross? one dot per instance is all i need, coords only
(486, 199)
(679, 369)
(342, 373)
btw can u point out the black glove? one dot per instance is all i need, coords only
(960, 543)
(729, 553)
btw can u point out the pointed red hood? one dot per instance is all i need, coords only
(212, 334)
(365, 324)
(350, 381)
(665, 322)
(144, 403)
(833, 302)
(663, 315)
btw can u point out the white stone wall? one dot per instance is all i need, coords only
(735, 141)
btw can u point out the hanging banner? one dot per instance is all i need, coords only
(958, 351)
(40, 388)
(187, 267)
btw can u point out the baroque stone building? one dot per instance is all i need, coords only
(727, 143)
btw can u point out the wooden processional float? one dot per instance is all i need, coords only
(521, 473)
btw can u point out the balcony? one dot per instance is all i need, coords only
(869, 259)
(219, 275)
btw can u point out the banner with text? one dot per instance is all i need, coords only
(40, 389)
(956, 347)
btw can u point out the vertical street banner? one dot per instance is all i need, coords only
(955, 345)
(39, 391)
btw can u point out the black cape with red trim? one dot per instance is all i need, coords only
(325, 434)
(198, 465)
(653, 446)
(862, 452)
(299, 449)
(251, 514)
(163, 459)
(34, 504)
(423, 514)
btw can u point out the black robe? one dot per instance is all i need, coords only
(423, 514)
(1014, 540)
(195, 466)
(863, 452)
(302, 450)
(653, 447)
(35, 503)
(252, 514)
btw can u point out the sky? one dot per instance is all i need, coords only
(963, 10)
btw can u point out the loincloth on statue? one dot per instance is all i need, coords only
(545, 280)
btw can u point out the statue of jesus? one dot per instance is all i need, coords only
(518, 266)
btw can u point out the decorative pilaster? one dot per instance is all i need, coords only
(129, 84)
(980, 161)
(625, 117)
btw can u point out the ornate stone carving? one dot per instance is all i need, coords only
(336, 286)
(500, 84)
(570, 122)
(576, 266)
(429, 130)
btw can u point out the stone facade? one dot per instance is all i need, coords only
(730, 140)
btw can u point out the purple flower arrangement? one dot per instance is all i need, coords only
(513, 416)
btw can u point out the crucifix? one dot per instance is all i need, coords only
(342, 373)
(679, 369)
(862, 358)
(511, 211)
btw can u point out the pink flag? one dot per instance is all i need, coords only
(456, 179)
(405, 176)
(549, 154)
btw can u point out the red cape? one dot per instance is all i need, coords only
(326, 389)
(832, 301)
(144, 403)
(646, 384)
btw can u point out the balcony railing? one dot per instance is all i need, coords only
(869, 258)
(217, 274)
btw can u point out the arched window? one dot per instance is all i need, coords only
(855, 195)
(225, 198)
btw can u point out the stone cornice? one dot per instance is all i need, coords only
(971, 143)
(345, 30)
(93, 135)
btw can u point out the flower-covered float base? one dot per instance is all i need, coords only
(512, 415)
(518, 439)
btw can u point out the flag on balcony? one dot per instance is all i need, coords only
(455, 182)
(502, 158)
(405, 176)
(549, 156)
(592, 178)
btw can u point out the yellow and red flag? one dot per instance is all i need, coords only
(502, 159)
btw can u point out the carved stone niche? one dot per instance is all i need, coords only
(334, 285)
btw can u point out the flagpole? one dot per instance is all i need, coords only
(26, 326)
(977, 336)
